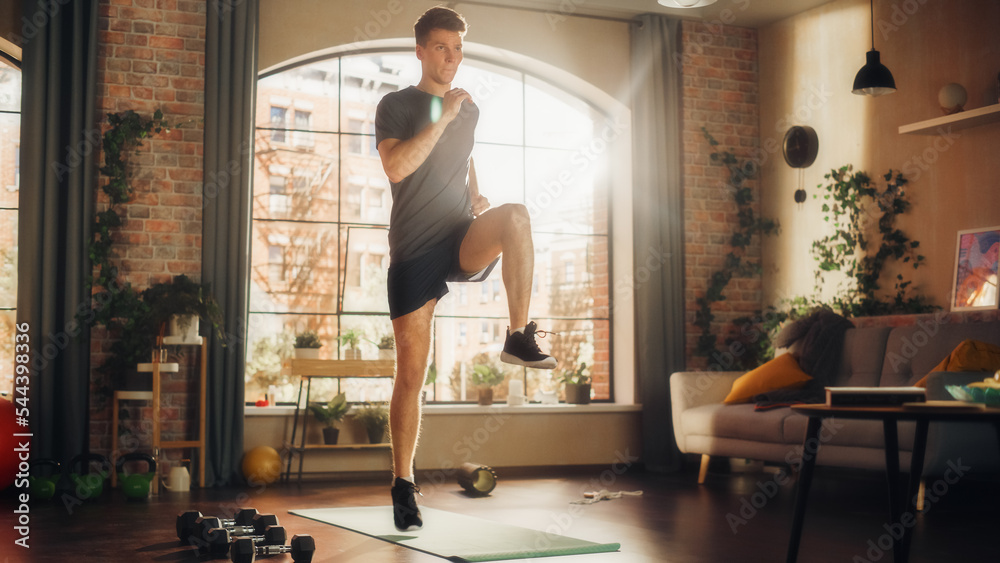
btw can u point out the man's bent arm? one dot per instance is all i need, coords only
(402, 158)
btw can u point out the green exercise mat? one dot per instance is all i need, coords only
(455, 536)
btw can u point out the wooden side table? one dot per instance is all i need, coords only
(890, 416)
(307, 370)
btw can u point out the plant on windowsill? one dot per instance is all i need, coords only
(432, 375)
(329, 414)
(386, 347)
(485, 376)
(374, 417)
(577, 384)
(350, 339)
(307, 345)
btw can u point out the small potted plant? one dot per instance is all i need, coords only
(374, 417)
(329, 414)
(386, 347)
(181, 302)
(577, 385)
(307, 345)
(432, 375)
(350, 339)
(485, 376)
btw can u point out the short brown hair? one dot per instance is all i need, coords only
(438, 17)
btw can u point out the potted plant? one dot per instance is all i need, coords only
(350, 339)
(375, 419)
(386, 347)
(577, 385)
(485, 376)
(182, 302)
(329, 414)
(432, 374)
(307, 345)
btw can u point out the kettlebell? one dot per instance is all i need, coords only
(44, 486)
(86, 484)
(136, 485)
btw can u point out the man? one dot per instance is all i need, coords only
(441, 229)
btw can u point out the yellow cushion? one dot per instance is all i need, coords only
(970, 355)
(782, 372)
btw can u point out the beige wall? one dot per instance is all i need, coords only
(807, 67)
(595, 50)
(498, 436)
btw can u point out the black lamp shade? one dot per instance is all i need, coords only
(874, 79)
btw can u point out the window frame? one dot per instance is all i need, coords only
(345, 142)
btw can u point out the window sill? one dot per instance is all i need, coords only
(438, 410)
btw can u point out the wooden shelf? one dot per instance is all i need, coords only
(954, 122)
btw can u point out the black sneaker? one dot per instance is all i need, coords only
(405, 512)
(520, 349)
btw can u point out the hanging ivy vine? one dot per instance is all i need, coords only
(852, 204)
(735, 263)
(117, 305)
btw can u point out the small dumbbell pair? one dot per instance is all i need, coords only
(246, 550)
(186, 521)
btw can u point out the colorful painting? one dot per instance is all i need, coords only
(976, 264)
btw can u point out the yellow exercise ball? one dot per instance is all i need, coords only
(261, 465)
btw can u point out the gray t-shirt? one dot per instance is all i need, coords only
(429, 204)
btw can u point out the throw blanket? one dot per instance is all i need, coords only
(821, 338)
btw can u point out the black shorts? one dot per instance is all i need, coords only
(414, 282)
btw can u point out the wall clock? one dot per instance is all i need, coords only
(800, 146)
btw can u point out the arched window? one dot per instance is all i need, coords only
(321, 206)
(10, 156)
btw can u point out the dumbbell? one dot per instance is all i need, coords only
(186, 520)
(244, 550)
(258, 524)
(219, 540)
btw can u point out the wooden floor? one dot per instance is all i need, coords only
(733, 517)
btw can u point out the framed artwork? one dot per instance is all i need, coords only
(976, 270)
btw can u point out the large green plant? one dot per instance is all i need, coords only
(853, 205)
(865, 240)
(735, 263)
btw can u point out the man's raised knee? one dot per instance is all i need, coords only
(518, 214)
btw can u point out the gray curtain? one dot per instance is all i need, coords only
(659, 228)
(59, 139)
(230, 93)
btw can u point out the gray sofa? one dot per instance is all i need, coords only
(884, 356)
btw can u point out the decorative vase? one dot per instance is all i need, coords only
(184, 326)
(485, 396)
(307, 353)
(330, 435)
(578, 393)
(386, 354)
(352, 354)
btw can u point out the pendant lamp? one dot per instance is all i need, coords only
(874, 79)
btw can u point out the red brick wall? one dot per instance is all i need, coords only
(720, 93)
(151, 55)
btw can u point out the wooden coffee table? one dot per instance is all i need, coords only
(890, 416)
